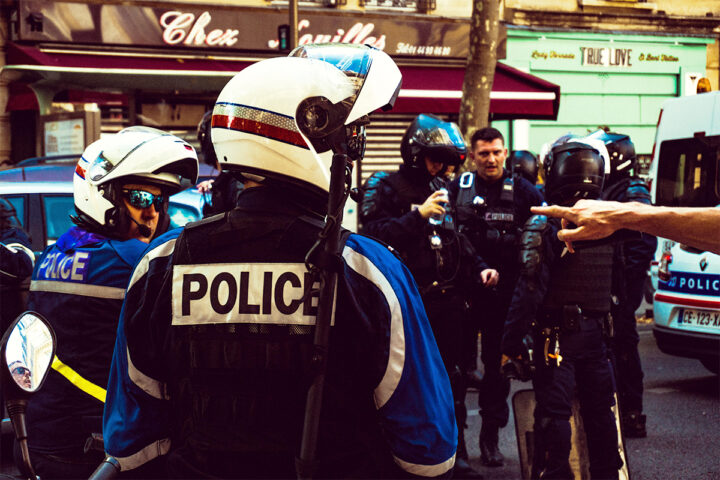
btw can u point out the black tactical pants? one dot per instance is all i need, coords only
(585, 368)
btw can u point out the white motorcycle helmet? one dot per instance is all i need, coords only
(545, 157)
(282, 118)
(134, 155)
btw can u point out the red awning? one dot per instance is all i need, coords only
(515, 94)
(426, 89)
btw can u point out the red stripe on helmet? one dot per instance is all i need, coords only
(259, 128)
(80, 172)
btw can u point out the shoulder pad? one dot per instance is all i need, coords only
(466, 179)
(638, 191)
(205, 221)
(370, 190)
(536, 223)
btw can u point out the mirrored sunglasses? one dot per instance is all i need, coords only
(20, 371)
(143, 199)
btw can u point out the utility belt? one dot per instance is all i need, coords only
(573, 319)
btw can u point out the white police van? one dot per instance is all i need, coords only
(685, 172)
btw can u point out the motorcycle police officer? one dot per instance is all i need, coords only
(16, 264)
(407, 210)
(560, 308)
(121, 189)
(492, 206)
(214, 354)
(630, 264)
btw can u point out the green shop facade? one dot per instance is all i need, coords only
(606, 79)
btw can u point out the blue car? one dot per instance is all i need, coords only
(42, 195)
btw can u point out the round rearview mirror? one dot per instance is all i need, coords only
(29, 351)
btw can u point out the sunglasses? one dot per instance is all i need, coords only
(20, 371)
(142, 199)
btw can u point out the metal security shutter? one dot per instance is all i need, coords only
(384, 134)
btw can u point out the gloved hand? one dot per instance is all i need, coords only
(519, 367)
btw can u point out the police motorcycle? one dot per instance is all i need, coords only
(542, 350)
(27, 349)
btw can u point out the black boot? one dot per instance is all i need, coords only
(633, 424)
(462, 467)
(489, 451)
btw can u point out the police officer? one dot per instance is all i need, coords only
(16, 264)
(407, 210)
(492, 206)
(121, 189)
(223, 190)
(561, 301)
(214, 352)
(523, 163)
(630, 264)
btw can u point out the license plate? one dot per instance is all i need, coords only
(699, 318)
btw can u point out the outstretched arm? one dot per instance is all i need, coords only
(697, 227)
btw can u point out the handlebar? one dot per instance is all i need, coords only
(107, 470)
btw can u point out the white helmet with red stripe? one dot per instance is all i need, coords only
(281, 118)
(136, 154)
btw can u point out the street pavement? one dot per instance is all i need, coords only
(682, 403)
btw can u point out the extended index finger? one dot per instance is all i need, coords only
(554, 211)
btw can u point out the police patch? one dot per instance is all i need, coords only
(270, 293)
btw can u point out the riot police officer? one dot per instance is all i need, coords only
(523, 163)
(630, 264)
(560, 306)
(215, 355)
(121, 188)
(16, 264)
(408, 210)
(222, 190)
(492, 206)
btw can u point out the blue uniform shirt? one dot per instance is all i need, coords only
(413, 397)
(78, 284)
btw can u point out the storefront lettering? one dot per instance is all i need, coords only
(649, 57)
(358, 34)
(551, 54)
(607, 57)
(185, 28)
(426, 50)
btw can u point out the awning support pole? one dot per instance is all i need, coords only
(44, 95)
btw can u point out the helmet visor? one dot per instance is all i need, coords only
(353, 60)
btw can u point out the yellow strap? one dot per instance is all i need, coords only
(75, 378)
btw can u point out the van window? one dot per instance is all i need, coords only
(57, 215)
(688, 173)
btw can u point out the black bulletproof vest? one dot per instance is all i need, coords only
(493, 230)
(239, 389)
(582, 278)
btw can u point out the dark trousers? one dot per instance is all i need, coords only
(60, 466)
(585, 368)
(447, 313)
(488, 316)
(625, 347)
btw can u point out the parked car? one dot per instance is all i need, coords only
(43, 199)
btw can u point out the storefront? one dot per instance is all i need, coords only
(164, 66)
(614, 80)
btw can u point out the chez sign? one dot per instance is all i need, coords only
(239, 28)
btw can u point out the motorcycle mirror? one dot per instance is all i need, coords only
(28, 348)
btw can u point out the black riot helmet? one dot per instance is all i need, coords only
(206, 145)
(621, 151)
(575, 170)
(523, 163)
(430, 136)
